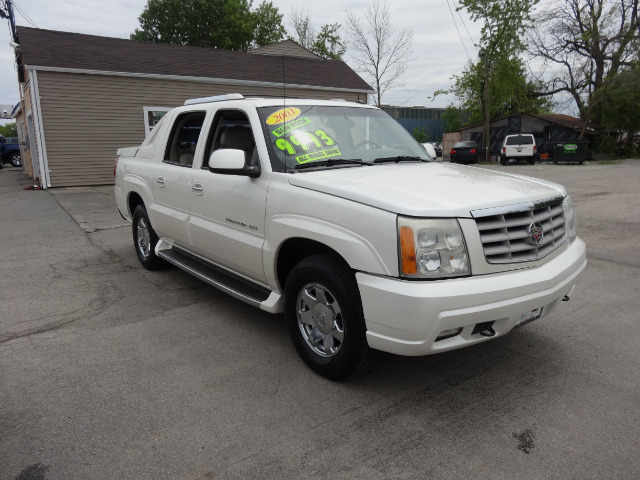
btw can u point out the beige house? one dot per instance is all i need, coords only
(85, 96)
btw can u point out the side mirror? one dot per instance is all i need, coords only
(430, 150)
(229, 161)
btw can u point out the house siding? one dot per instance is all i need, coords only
(287, 48)
(87, 117)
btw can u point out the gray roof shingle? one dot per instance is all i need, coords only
(49, 48)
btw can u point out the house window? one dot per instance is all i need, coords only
(152, 116)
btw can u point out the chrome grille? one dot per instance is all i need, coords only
(504, 231)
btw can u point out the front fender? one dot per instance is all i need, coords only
(359, 252)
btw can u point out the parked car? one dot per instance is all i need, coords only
(331, 213)
(10, 151)
(521, 146)
(465, 152)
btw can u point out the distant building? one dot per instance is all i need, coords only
(429, 119)
(547, 130)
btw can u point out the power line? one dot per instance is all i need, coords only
(464, 25)
(25, 16)
(458, 30)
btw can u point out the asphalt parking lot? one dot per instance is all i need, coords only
(109, 371)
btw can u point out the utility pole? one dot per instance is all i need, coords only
(7, 12)
(487, 134)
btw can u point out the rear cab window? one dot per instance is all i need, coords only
(183, 139)
(520, 140)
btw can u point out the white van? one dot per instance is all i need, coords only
(521, 146)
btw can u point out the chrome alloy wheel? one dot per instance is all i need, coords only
(143, 237)
(320, 320)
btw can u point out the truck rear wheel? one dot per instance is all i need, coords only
(145, 240)
(325, 319)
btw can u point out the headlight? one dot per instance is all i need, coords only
(431, 248)
(570, 219)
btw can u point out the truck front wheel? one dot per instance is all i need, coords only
(15, 159)
(325, 320)
(145, 240)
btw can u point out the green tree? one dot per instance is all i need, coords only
(327, 43)
(504, 23)
(9, 130)
(420, 134)
(452, 119)
(224, 24)
(617, 104)
(510, 91)
(268, 27)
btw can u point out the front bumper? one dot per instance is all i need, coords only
(406, 317)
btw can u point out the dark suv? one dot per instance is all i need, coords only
(10, 149)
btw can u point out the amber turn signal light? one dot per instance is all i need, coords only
(408, 251)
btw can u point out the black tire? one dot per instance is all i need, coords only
(145, 240)
(503, 161)
(322, 289)
(532, 161)
(15, 160)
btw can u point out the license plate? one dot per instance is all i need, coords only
(530, 316)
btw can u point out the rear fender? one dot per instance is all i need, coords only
(134, 185)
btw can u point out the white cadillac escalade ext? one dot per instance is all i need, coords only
(332, 213)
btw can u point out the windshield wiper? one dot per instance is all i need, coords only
(331, 162)
(399, 158)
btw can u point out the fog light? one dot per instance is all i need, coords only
(452, 332)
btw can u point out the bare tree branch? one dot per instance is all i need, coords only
(588, 41)
(380, 52)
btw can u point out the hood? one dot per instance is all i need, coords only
(427, 189)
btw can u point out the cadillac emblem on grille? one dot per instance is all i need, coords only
(536, 233)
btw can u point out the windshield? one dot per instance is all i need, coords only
(334, 137)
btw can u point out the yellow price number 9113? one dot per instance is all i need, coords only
(305, 141)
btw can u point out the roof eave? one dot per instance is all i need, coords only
(223, 81)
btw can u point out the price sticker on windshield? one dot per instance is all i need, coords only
(291, 126)
(310, 157)
(283, 115)
(308, 146)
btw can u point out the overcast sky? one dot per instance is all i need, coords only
(440, 46)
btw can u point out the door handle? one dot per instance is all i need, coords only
(197, 188)
(160, 181)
